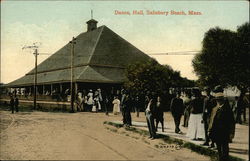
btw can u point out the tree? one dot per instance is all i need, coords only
(146, 76)
(224, 58)
(153, 77)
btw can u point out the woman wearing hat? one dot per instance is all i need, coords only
(195, 125)
(90, 100)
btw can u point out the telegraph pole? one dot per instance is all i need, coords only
(72, 74)
(35, 78)
(35, 47)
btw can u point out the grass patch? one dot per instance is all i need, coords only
(145, 141)
(112, 129)
(113, 124)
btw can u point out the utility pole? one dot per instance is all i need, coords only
(35, 79)
(35, 47)
(72, 74)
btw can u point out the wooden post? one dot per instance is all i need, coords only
(30, 91)
(76, 89)
(35, 79)
(51, 89)
(43, 89)
(61, 89)
(72, 74)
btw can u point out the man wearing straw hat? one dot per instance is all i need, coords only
(221, 125)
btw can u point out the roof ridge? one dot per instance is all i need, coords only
(82, 71)
(93, 50)
(125, 40)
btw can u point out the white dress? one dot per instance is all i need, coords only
(116, 107)
(90, 98)
(195, 127)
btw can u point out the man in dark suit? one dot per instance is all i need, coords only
(12, 103)
(16, 103)
(177, 108)
(222, 124)
(150, 112)
(127, 106)
(208, 105)
(159, 114)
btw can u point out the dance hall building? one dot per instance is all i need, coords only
(99, 61)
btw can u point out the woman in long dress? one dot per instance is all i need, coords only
(90, 100)
(116, 106)
(195, 125)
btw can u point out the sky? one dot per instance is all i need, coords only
(53, 24)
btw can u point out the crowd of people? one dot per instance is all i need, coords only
(208, 117)
(98, 100)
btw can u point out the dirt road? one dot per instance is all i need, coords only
(79, 136)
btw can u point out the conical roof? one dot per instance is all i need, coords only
(100, 56)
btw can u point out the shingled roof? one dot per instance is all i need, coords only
(100, 56)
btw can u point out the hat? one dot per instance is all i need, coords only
(219, 95)
(218, 92)
(218, 89)
(196, 92)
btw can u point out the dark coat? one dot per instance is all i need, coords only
(223, 124)
(127, 105)
(209, 103)
(12, 102)
(159, 112)
(152, 108)
(197, 105)
(176, 106)
(16, 102)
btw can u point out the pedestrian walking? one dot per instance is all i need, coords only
(176, 108)
(116, 105)
(159, 115)
(105, 102)
(16, 104)
(96, 104)
(137, 105)
(127, 106)
(221, 126)
(240, 108)
(12, 103)
(149, 112)
(90, 100)
(195, 125)
(146, 100)
(123, 92)
(234, 108)
(100, 99)
(186, 102)
(208, 105)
